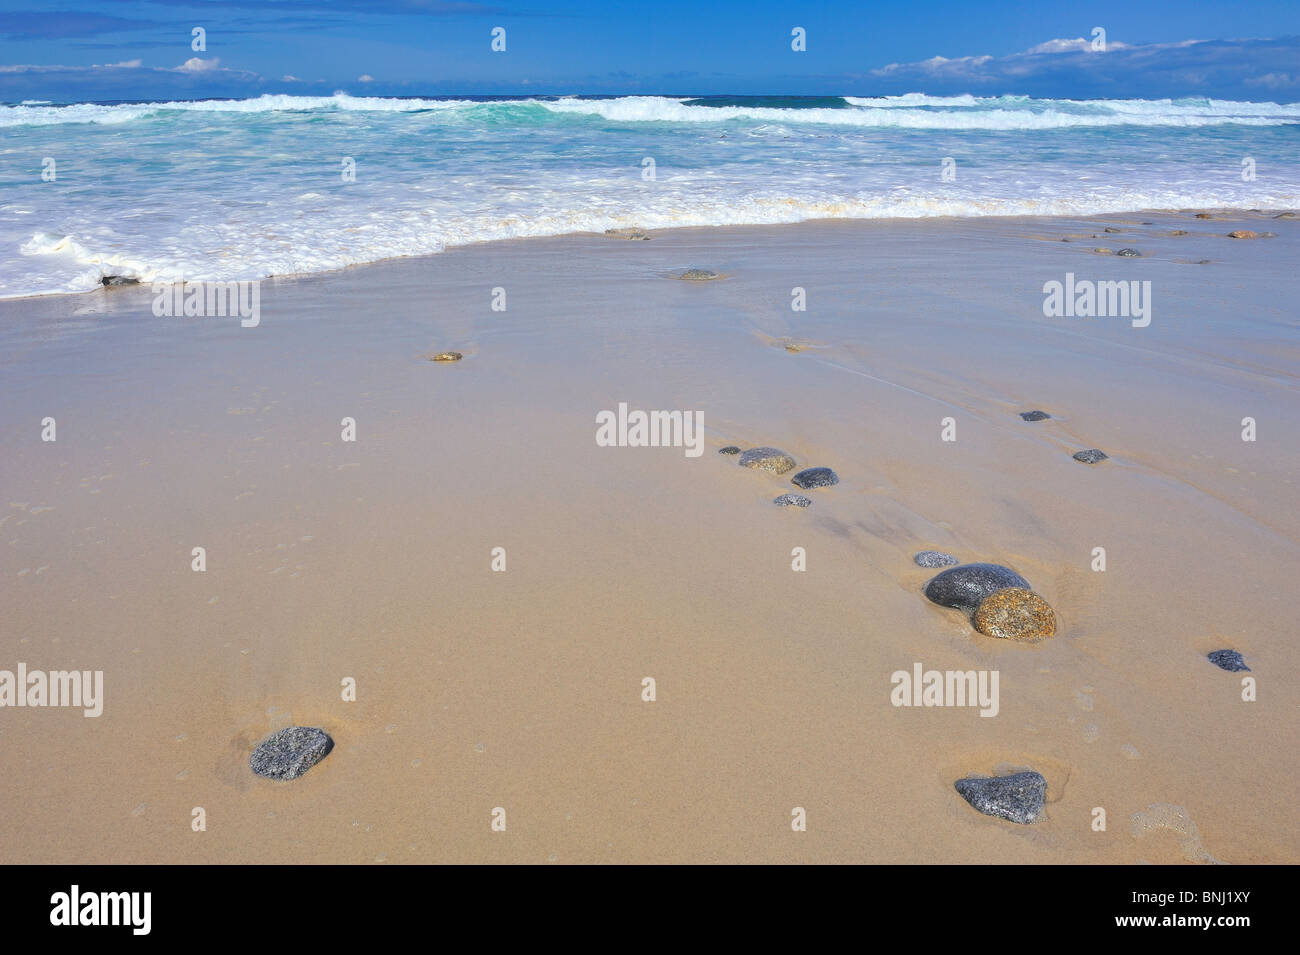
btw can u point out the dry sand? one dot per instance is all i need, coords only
(522, 689)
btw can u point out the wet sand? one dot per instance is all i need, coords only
(522, 689)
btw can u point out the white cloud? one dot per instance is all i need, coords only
(196, 65)
(1071, 67)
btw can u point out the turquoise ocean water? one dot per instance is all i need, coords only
(252, 188)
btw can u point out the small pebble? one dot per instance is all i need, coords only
(1129, 253)
(1242, 234)
(290, 752)
(1035, 415)
(798, 500)
(934, 558)
(1229, 660)
(448, 356)
(698, 275)
(1091, 456)
(729, 449)
(1017, 798)
(815, 477)
(1109, 229)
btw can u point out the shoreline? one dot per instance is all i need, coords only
(1238, 215)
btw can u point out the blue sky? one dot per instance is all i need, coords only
(67, 50)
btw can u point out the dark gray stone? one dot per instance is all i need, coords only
(797, 500)
(1091, 456)
(934, 558)
(1229, 660)
(1017, 798)
(810, 478)
(729, 449)
(965, 586)
(290, 752)
(1109, 229)
(1035, 415)
(1129, 253)
(111, 280)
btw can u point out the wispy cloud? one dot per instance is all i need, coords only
(1071, 67)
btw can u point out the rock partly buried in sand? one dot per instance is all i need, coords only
(810, 478)
(1242, 234)
(934, 558)
(1286, 215)
(772, 460)
(795, 500)
(1017, 798)
(1035, 415)
(1109, 229)
(1101, 251)
(698, 275)
(1129, 253)
(631, 233)
(729, 449)
(965, 586)
(290, 752)
(1204, 215)
(1179, 232)
(447, 356)
(1091, 456)
(114, 280)
(1015, 614)
(1229, 660)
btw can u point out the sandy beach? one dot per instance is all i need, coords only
(372, 560)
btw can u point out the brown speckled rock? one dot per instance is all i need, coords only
(1015, 614)
(1242, 234)
(772, 460)
(448, 356)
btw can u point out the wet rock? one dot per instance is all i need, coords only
(772, 460)
(1101, 251)
(1148, 223)
(114, 280)
(1091, 456)
(698, 275)
(1286, 215)
(1017, 798)
(729, 449)
(934, 558)
(1015, 614)
(631, 233)
(1035, 415)
(796, 500)
(965, 586)
(1129, 253)
(447, 356)
(290, 752)
(1242, 234)
(1204, 215)
(1109, 229)
(1229, 660)
(810, 478)
(1179, 232)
